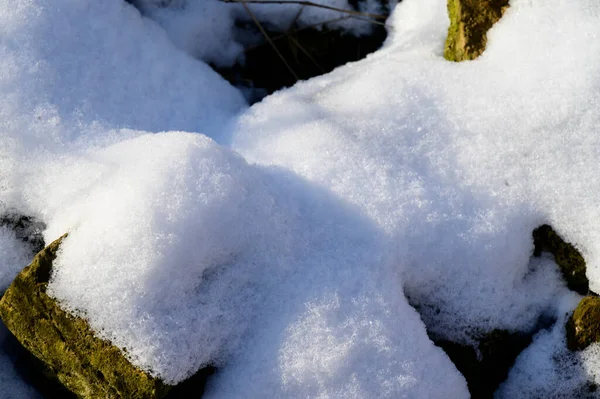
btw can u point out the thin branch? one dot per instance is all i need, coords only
(310, 4)
(295, 18)
(360, 18)
(307, 54)
(269, 39)
(286, 34)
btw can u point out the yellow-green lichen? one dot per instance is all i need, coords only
(567, 257)
(469, 22)
(583, 327)
(86, 365)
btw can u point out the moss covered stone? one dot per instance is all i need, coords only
(88, 366)
(568, 258)
(469, 22)
(583, 327)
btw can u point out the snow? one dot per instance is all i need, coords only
(414, 158)
(225, 246)
(283, 242)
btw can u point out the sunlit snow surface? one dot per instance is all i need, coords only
(285, 254)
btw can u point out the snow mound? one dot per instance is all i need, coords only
(457, 163)
(196, 251)
(174, 212)
(75, 70)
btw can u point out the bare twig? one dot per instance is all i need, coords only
(286, 34)
(296, 18)
(269, 39)
(306, 53)
(310, 4)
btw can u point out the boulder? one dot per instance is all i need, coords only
(583, 327)
(88, 366)
(469, 22)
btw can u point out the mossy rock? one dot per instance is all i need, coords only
(583, 327)
(569, 259)
(469, 22)
(86, 365)
(486, 370)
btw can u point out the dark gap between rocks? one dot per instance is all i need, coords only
(488, 365)
(309, 52)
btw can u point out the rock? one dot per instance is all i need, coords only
(488, 366)
(86, 365)
(583, 327)
(469, 22)
(569, 259)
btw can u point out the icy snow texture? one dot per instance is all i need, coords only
(71, 69)
(74, 74)
(224, 250)
(179, 250)
(286, 263)
(457, 163)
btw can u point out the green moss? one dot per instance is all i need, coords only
(583, 327)
(569, 259)
(469, 22)
(86, 365)
(486, 370)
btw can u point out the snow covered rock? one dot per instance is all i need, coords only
(583, 327)
(469, 22)
(85, 364)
